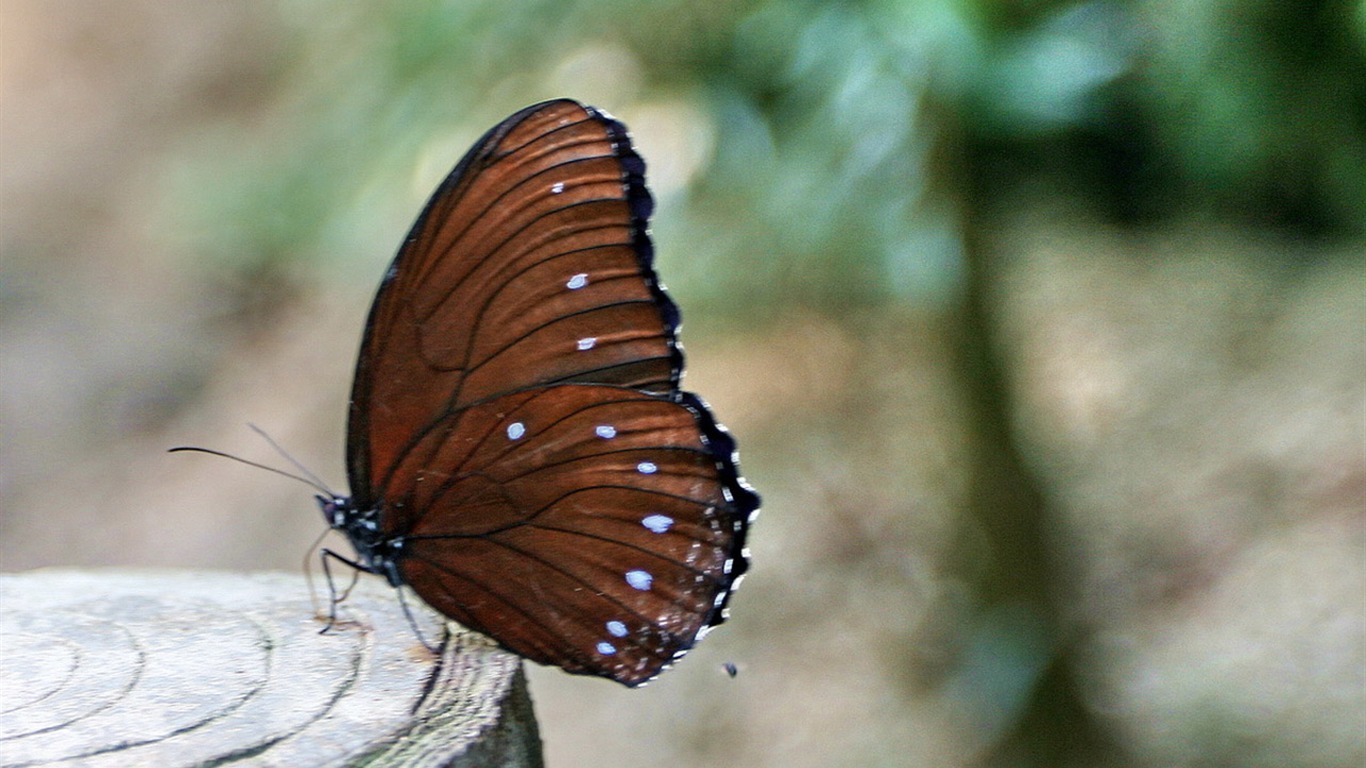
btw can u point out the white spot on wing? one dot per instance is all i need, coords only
(647, 468)
(617, 628)
(557, 188)
(606, 648)
(658, 523)
(606, 431)
(577, 281)
(515, 430)
(587, 343)
(640, 580)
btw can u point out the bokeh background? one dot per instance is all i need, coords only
(1040, 325)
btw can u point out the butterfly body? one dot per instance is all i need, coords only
(519, 451)
(376, 551)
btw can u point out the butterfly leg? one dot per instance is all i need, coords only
(412, 622)
(333, 598)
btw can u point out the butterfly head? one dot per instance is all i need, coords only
(337, 510)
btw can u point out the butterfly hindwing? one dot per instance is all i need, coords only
(597, 527)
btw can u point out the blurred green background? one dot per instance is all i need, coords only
(1040, 325)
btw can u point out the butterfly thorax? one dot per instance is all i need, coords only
(376, 551)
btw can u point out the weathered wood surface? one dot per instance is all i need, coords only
(179, 668)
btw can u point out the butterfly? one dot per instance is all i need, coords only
(519, 450)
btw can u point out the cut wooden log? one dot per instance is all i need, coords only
(168, 668)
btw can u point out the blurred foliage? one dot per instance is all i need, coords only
(1262, 106)
(826, 117)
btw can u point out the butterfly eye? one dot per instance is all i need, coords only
(519, 450)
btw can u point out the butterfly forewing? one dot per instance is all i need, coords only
(529, 266)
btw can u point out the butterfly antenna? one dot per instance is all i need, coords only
(308, 478)
(313, 479)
